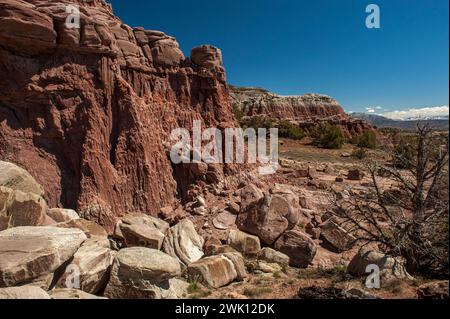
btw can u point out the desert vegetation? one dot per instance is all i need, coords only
(368, 139)
(411, 220)
(329, 136)
(92, 206)
(289, 130)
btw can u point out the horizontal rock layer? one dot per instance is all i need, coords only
(308, 111)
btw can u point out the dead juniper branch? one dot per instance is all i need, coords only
(410, 218)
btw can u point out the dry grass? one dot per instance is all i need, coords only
(256, 291)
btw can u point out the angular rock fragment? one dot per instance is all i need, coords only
(141, 273)
(91, 264)
(268, 268)
(26, 209)
(286, 192)
(27, 253)
(247, 244)
(61, 215)
(272, 256)
(215, 271)
(143, 231)
(272, 218)
(250, 197)
(183, 242)
(239, 265)
(298, 246)
(336, 236)
(224, 220)
(91, 229)
(391, 268)
(355, 175)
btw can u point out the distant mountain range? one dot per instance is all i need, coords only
(438, 123)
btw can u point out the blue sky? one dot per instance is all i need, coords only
(298, 46)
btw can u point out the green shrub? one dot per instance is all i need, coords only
(405, 150)
(288, 130)
(196, 291)
(330, 136)
(257, 122)
(360, 153)
(194, 288)
(388, 131)
(238, 113)
(368, 140)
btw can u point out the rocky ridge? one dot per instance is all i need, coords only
(308, 111)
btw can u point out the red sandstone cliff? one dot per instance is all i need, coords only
(306, 110)
(88, 111)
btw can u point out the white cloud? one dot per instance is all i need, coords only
(373, 109)
(419, 113)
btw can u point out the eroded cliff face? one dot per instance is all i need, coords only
(88, 112)
(308, 111)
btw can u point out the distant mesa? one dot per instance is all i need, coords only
(308, 111)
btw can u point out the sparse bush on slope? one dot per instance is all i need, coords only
(288, 130)
(368, 139)
(329, 136)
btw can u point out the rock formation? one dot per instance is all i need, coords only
(308, 111)
(27, 253)
(142, 273)
(270, 216)
(184, 243)
(299, 247)
(391, 268)
(215, 271)
(89, 111)
(92, 210)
